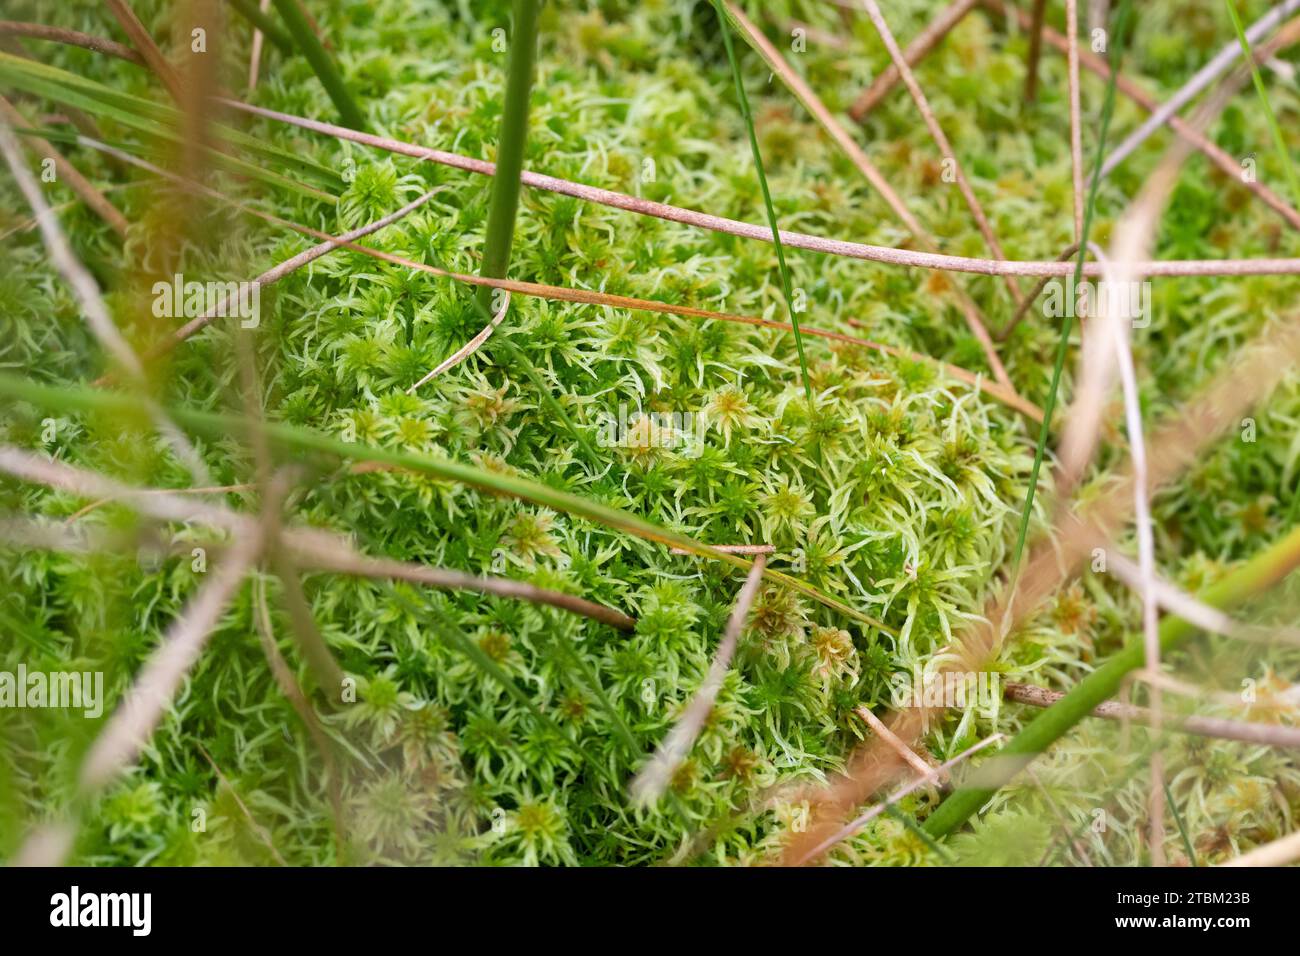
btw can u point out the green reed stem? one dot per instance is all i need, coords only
(503, 207)
(504, 204)
(321, 62)
(1258, 574)
(254, 15)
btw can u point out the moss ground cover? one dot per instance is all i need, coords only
(494, 731)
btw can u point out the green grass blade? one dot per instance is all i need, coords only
(1178, 819)
(1258, 574)
(160, 155)
(786, 287)
(1067, 323)
(1258, 80)
(321, 62)
(302, 440)
(144, 115)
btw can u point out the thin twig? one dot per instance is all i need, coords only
(1218, 156)
(311, 546)
(1270, 735)
(916, 51)
(256, 827)
(940, 139)
(49, 844)
(1177, 601)
(307, 442)
(279, 271)
(1118, 323)
(1098, 65)
(289, 686)
(589, 297)
(812, 102)
(255, 50)
(144, 43)
(262, 22)
(92, 303)
(142, 709)
(931, 775)
(512, 138)
(1198, 83)
(468, 349)
(41, 31)
(215, 490)
(343, 562)
(795, 240)
(1278, 853)
(1035, 50)
(889, 737)
(650, 783)
(734, 549)
(1076, 123)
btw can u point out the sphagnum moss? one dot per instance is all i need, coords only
(911, 508)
